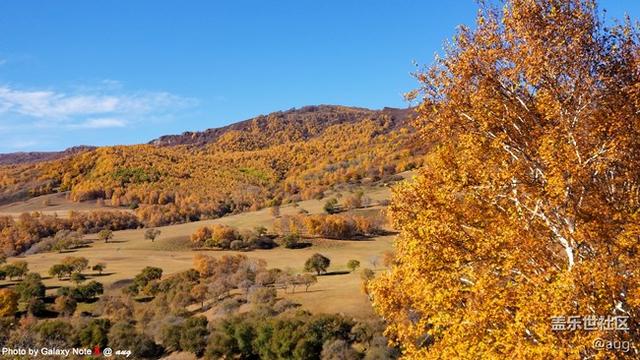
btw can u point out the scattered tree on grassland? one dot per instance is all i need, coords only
(77, 278)
(82, 293)
(99, 267)
(341, 226)
(356, 201)
(105, 235)
(16, 269)
(151, 234)
(352, 265)
(307, 280)
(76, 264)
(527, 208)
(201, 236)
(67, 239)
(290, 241)
(60, 270)
(318, 263)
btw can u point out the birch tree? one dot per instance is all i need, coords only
(527, 207)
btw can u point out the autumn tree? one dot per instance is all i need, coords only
(200, 236)
(8, 302)
(204, 265)
(75, 264)
(200, 293)
(65, 305)
(528, 206)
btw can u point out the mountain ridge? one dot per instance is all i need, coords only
(323, 116)
(346, 114)
(27, 157)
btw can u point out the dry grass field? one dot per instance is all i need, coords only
(128, 253)
(52, 204)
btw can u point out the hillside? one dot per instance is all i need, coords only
(279, 158)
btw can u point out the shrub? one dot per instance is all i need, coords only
(237, 245)
(353, 265)
(93, 333)
(124, 336)
(99, 267)
(77, 278)
(194, 335)
(262, 295)
(331, 206)
(31, 287)
(65, 305)
(291, 241)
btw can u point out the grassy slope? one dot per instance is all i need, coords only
(129, 252)
(57, 204)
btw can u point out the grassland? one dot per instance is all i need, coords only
(52, 204)
(128, 253)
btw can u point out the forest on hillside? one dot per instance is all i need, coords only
(280, 158)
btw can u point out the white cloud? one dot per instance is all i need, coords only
(100, 123)
(60, 106)
(28, 114)
(21, 144)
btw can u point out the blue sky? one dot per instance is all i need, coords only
(123, 72)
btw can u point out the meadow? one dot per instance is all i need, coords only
(339, 291)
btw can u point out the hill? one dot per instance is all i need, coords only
(38, 156)
(279, 158)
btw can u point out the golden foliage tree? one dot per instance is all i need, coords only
(528, 206)
(8, 302)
